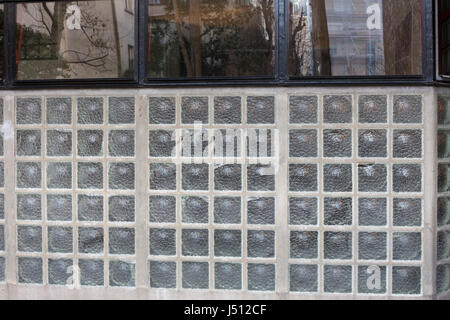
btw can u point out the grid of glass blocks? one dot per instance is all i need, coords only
(75, 186)
(2, 202)
(355, 194)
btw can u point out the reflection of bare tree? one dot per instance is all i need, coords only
(320, 38)
(297, 41)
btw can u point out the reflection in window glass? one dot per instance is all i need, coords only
(444, 36)
(355, 37)
(1, 41)
(210, 38)
(74, 40)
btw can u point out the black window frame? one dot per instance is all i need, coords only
(281, 73)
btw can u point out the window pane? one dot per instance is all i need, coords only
(444, 36)
(355, 37)
(211, 38)
(74, 40)
(1, 41)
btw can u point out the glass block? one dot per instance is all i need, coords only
(2, 269)
(407, 109)
(372, 246)
(303, 211)
(163, 176)
(163, 274)
(59, 110)
(259, 143)
(28, 111)
(59, 175)
(162, 143)
(195, 143)
(121, 143)
(227, 243)
(195, 209)
(227, 110)
(443, 177)
(2, 174)
(372, 211)
(60, 239)
(91, 272)
(162, 110)
(406, 280)
(372, 109)
(29, 270)
(227, 143)
(60, 272)
(338, 211)
(407, 246)
(443, 144)
(2, 153)
(303, 245)
(162, 209)
(261, 210)
(303, 278)
(195, 275)
(338, 245)
(2, 238)
(337, 143)
(29, 207)
(228, 177)
(90, 207)
(303, 110)
(372, 143)
(407, 144)
(121, 110)
(163, 242)
(227, 210)
(261, 243)
(29, 238)
(28, 143)
(90, 110)
(261, 277)
(372, 178)
(122, 274)
(195, 176)
(261, 110)
(59, 143)
(90, 143)
(2, 206)
(121, 241)
(121, 176)
(443, 211)
(122, 208)
(337, 109)
(303, 177)
(59, 207)
(337, 279)
(443, 245)
(90, 175)
(407, 177)
(407, 212)
(90, 240)
(303, 143)
(228, 276)
(337, 178)
(195, 242)
(443, 110)
(194, 109)
(372, 279)
(442, 278)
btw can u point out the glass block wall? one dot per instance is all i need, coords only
(220, 193)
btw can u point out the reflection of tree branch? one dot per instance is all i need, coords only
(86, 61)
(44, 5)
(184, 51)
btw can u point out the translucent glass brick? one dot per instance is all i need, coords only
(372, 246)
(162, 143)
(60, 239)
(59, 207)
(261, 110)
(366, 282)
(372, 109)
(90, 207)
(338, 245)
(407, 246)
(407, 109)
(90, 143)
(303, 278)
(303, 211)
(121, 176)
(163, 274)
(194, 109)
(60, 271)
(228, 276)
(443, 211)
(29, 238)
(443, 110)
(261, 243)
(162, 209)
(91, 272)
(2, 206)
(194, 242)
(303, 110)
(372, 211)
(90, 175)
(337, 109)
(227, 110)
(59, 111)
(90, 240)
(406, 280)
(228, 143)
(261, 277)
(337, 143)
(261, 210)
(2, 238)
(90, 110)
(304, 245)
(259, 143)
(407, 213)
(29, 270)
(443, 278)
(29, 207)
(407, 177)
(163, 176)
(121, 143)
(407, 144)
(227, 210)
(121, 110)
(337, 279)
(443, 177)
(59, 143)
(122, 241)
(29, 143)
(303, 177)
(338, 211)
(372, 143)
(28, 111)
(2, 174)
(195, 275)
(2, 269)
(59, 175)
(162, 110)
(228, 177)
(163, 242)
(372, 178)
(122, 274)
(443, 245)
(227, 243)
(122, 208)
(195, 176)
(195, 143)
(337, 178)
(195, 209)
(303, 143)
(443, 144)
(2, 153)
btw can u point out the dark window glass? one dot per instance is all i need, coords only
(211, 38)
(444, 37)
(74, 40)
(1, 41)
(355, 37)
